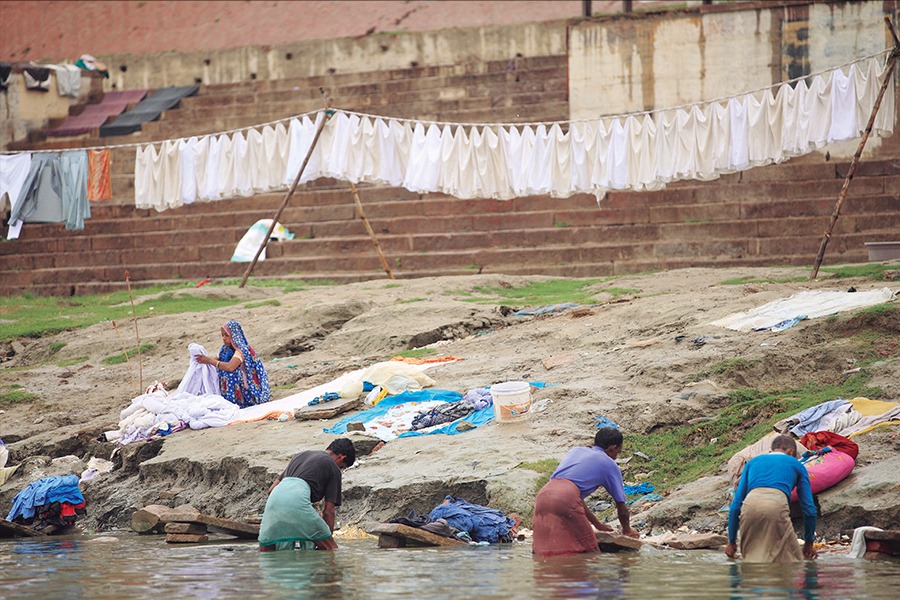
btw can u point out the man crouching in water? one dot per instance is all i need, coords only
(563, 523)
(289, 516)
(761, 510)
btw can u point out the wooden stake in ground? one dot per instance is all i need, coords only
(133, 389)
(362, 215)
(136, 334)
(889, 73)
(262, 246)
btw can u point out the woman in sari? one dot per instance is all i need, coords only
(242, 377)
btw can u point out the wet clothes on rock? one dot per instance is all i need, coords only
(63, 488)
(483, 524)
(247, 385)
(560, 524)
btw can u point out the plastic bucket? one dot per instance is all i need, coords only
(512, 400)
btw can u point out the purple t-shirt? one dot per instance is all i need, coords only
(589, 468)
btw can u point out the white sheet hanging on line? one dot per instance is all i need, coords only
(628, 152)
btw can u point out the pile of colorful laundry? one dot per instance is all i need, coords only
(456, 518)
(49, 501)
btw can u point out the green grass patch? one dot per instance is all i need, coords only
(417, 353)
(616, 292)
(724, 367)
(869, 270)
(56, 347)
(887, 309)
(391, 285)
(37, 317)
(117, 359)
(682, 454)
(561, 224)
(544, 467)
(16, 396)
(554, 291)
(263, 303)
(411, 300)
(72, 361)
(751, 279)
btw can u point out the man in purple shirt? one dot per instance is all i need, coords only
(563, 523)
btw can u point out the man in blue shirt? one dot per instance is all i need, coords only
(563, 523)
(761, 504)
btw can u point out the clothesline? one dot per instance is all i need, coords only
(466, 124)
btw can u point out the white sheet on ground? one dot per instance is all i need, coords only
(291, 403)
(811, 304)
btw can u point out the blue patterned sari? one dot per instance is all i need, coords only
(247, 385)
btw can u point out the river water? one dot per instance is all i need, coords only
(124, 565)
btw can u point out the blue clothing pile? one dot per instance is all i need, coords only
(48, 490)
(483, 524)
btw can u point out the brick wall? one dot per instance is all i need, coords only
(38, 30)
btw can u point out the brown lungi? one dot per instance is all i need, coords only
(767, 534)
(560, 523)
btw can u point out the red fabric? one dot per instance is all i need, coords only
(560, 523)
(816, 440)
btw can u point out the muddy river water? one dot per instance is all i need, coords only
(124, 565)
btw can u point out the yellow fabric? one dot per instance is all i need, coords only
(871, 408)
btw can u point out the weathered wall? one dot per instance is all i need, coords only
(25, 110)
(339, 55)
(628, 64)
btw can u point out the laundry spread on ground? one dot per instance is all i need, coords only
(805, 305)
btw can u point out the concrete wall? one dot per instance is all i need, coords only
(628, 64)
(339, 55)
(25, 110)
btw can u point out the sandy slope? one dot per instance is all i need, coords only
(628, 367)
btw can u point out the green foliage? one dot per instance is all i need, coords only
(870, 270)
(616, 292)
(72, 361)
(417, 353)
(36, 317)
(724, 367)
(544, 467)
(887, 309)
(263, 303)
(561, 224)
(117, 359)
(16, 396)
(751, 279)
(539, 293)
(682, 454)
(56, 347)
(411, 300)
(391, 285)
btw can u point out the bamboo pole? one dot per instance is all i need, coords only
(136, 333)
(362, 215)
(889, 73)
(125, 351)
(262, 246)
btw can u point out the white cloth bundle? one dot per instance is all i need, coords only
(199, 380)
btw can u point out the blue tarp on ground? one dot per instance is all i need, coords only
(477, 418)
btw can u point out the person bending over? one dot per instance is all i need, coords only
(242, 377)
(289, 515)
(761, 504)
(563, 523)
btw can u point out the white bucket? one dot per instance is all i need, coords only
(512, 400)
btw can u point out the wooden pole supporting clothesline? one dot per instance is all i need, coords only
(359, 208)
(262, 246)
(362, 215)
(889, 72)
